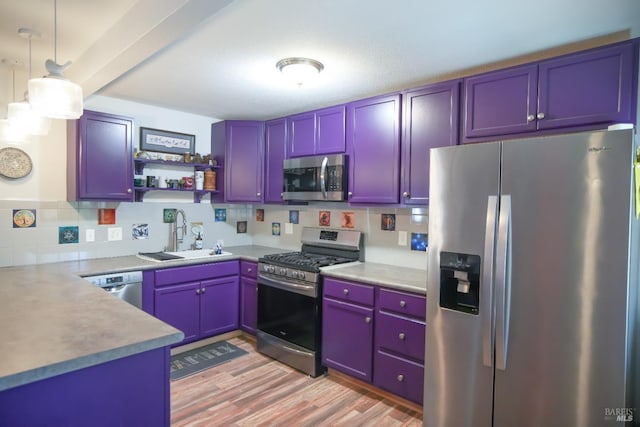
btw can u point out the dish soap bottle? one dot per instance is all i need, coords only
(199, 241)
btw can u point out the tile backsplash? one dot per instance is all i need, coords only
(40, 244)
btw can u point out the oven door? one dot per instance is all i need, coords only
(291, 313)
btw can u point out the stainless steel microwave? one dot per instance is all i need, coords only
(315, 178)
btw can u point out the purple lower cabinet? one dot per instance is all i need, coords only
(218, 306)
(403, 336)
(179, 306)
(130, 392)
(248, 304)
(399, 376)
(347, 338)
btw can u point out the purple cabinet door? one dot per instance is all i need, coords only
(373, 135)
(244, 159)
(275, 142)
(179, 306)
(431, 121)
(501, 102)
(347, 338)
(248, 304)
(330, 130)
(218, 306)
(302, 131)
(100, 144)
(587, 88)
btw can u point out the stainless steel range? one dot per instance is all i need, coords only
(290, 296)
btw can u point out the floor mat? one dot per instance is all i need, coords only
(199, 359)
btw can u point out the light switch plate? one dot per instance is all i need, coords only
(288, 228)
(90, 235)
(402, 238)
(114, 233)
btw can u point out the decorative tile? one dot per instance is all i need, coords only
(260, 215)
(169, 215)
(275, 228)
(68, 235)
(140, 231)
(221, 215)
(388, 222)
(24, 218)
(348, 220)
(106, 216)
(324, 218)
(294, 217)
(241, 227)
(419, 241)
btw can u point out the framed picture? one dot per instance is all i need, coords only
(167, 142)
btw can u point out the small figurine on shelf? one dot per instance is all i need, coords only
(218, 248)
(197, 158)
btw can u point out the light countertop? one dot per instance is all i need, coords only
(401, 278)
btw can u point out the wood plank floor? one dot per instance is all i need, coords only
(255, 390)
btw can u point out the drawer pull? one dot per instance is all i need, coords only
(345, 291)
(400, 378)
(403, 304)
(367, 319)
(249, 270)
(197, 291)
(401, 335)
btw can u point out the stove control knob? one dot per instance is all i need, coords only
(294, 274)
(301, 275)
(283, 271)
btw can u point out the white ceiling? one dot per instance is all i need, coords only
(217, 58)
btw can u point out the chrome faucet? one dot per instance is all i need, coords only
(173, 238)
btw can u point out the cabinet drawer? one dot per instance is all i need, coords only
(348, 291)
(403, 303)
(249, 268)
(400, 335)
(168, 276)
(399, 376)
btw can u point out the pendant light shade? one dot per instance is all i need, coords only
(22, 117)
(54, 95)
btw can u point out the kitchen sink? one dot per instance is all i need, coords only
(191, 254)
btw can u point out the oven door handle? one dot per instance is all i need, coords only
(323, 177)
(293, 287)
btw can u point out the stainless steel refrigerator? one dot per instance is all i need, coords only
(532, 292)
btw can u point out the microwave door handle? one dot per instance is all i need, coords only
(323, 177)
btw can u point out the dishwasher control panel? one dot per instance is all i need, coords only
(114, 279)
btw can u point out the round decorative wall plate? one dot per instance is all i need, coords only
(14, 163)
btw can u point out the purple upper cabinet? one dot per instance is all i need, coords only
(242, 158)
(330, 130)
(275, 141)
(302, 131)
(501, 102)
(430, 121)
(591, 87)
(373, 138)
(317, 132)
(100, 157)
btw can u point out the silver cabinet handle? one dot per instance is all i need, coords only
(258, 194)
(403, 304)
(197, 291)
(129, 190)
(401, 335)
(249, 270)
(349, 194)
(531, 118)
(282, 195)
(540, 116)
(367, 319)
(400, 378)
(406, 194)
(203, 290)
(345, 291)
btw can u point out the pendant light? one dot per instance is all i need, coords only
(54, 95)
(20, 114)
(10, 130)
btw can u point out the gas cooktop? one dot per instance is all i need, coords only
(304, 260)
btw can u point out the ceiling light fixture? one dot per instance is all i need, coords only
(20, 113)
(54, 95)
(299, 70)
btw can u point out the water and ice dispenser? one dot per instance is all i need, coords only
(460, 282)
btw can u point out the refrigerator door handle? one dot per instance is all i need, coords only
(486, 288)
(503, 282)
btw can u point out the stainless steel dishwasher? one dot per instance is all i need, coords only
(126, 285)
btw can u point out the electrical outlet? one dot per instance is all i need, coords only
(90, 235)
(114, 233)
(288, 228)
(402, 238)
